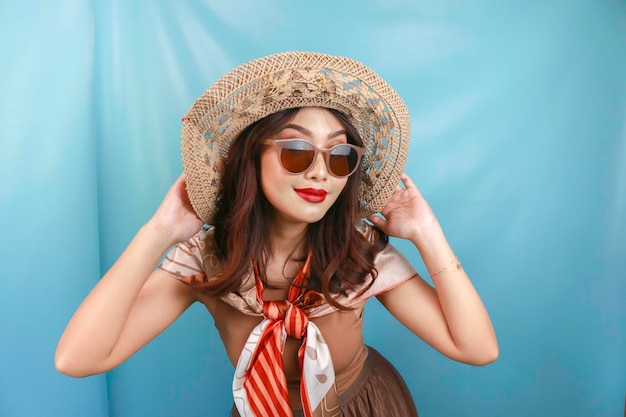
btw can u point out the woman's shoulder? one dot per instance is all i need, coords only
(392, 267)
(197, 255)
(208, 250)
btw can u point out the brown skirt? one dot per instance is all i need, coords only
(378, 391)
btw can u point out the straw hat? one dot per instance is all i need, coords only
(296, 79)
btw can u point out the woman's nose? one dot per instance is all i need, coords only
(318, 169)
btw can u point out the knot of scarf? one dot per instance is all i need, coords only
(294, 319)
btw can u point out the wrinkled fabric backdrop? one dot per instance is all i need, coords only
(518, 142)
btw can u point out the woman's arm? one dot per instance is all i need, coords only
(451, 316)
(132, 303)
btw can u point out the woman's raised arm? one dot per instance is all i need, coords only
(133, 302)
(451, 316)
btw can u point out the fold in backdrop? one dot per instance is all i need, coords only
(518, 143)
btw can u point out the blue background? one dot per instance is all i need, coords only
(518, 143)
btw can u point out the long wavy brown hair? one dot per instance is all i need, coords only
(342, 257)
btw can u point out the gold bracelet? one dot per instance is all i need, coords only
(446, 268)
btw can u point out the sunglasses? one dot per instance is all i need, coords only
(296, 156)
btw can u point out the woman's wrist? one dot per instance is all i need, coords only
(426, 236)
(160, 236)
(434, 249)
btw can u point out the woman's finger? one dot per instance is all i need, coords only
(376, 221)
(406, 180)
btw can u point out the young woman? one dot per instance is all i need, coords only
(284, 157)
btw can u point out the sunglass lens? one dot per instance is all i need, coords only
(343, 160)
(297, 156)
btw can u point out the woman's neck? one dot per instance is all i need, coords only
(286, 240)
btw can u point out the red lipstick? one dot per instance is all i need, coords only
(312, 195)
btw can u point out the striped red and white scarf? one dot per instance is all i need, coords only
(260, 385)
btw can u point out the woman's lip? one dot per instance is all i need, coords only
(312, 195)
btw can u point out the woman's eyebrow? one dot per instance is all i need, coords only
(307, 132)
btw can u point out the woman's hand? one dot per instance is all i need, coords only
(407, 215)
(175, 217)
